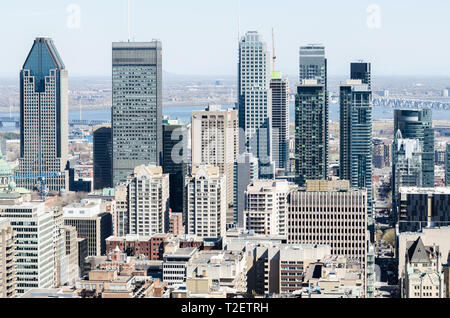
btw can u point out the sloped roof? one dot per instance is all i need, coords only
(417, 252)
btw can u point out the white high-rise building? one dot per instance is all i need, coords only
(215, 141)
(255, 101)
(144, 202)
(43, 118)
(266, 203)
(34, 225)
(206, 202)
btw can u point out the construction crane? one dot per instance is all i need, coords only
(42, 179)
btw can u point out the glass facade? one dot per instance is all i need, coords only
(136, 106)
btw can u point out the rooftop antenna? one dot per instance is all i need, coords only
(273, 46)
(129, 24)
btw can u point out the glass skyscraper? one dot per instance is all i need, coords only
(136, 106)
(447, 165)
(102, 156)
(361, 70)
(417, 124)
(255, 101)
(311, 132)
(311, 115)
(43, 118)
(280, 120)
(356, 137)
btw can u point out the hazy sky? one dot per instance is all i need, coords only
(199, 37)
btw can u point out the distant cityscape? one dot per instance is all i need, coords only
(148, 184)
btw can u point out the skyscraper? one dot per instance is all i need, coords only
(361, 71)
(417, 124)
(102, 156)
(215, 141)
(175, 142)
(255, 101)
(206, 202)
(312, 114)
(43, 118)
(136, 106)
(245, 171)
(447, 165)
(280, 120)
(311, 132)
(313, 64)
(356, 137)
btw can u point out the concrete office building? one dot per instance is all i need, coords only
(7, 260)
(266, 206)
(206, 202)
(102, 136)
(43, 118)
(227, 269)
(277, 268)
(71, 252)
(90, 223)
(245, 171)
(143, 202)
(280, 120)
(423, 207)
(332, 214)
(34, 227)
(255, 101)
(417, 124)
(215, 141)
(174, 265)
(175, 160)
(311, 131)
(356, 137)
(136, 106)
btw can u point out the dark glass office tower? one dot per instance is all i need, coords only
(313, 66)
(311, 132)
(175, 139)
(447, 165)
(361, 71)
(43, 118)
(417, 124)
(136, 106)
(280, 120)
(356, 137)
(102, 157)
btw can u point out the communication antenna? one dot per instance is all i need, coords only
(273, 47)
(129, 23)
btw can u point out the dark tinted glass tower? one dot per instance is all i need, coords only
(136, 106)
(417, 124)
(361, 70)
(311, 132)
(313, 66)
(175, 139)
(103, 157)
(356, 137)
(447, 165)
(43, 118)
(280, 120)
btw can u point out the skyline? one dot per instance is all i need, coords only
(85, 39)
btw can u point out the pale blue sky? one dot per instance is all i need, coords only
(200, 36)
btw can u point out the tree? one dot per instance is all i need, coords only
(389, 237)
